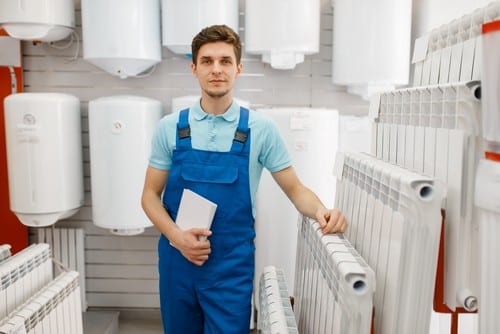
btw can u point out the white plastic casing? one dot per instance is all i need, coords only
(121, 37)
(44, 156)
(183, 19)
(282, 31)
(369, 54)
(39, 20)
(120, 131)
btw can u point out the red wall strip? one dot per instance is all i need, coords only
(11, 230)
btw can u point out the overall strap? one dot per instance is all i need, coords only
(242, 133)
(183, 138)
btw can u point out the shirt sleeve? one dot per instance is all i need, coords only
(274, 155)
(161, 148)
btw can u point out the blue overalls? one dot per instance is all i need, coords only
(214, 297)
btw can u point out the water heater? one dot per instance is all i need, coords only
(183, 19)
(40, 20)
(121, 37)
(44, 156)
(371, 45)
(120, 131)
(282, 31)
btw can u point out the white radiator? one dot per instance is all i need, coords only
(55, 310)
(451, 53)
(433, 130)
(23, 274)
(4, 252)
(333, 285)
(275, 310)
(395, 223)
(69, 249)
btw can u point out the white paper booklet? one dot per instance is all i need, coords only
(195, 211)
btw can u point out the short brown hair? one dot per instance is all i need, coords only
(216, 33)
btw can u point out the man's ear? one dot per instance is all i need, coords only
(193, 69)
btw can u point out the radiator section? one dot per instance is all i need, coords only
(23, 274)
(434, 130)
(69, 249)
(275, 310)
(395, 224)
(55, 310)
(4, 252)
(333, 285)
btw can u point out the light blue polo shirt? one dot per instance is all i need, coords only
(216, 133)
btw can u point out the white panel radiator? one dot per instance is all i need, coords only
(451, 53)
(69, 249)
(276, 314)
(23, 274)
(433, 130)
(395, 223)
(55, 310)
(333, 285)
(4, 252)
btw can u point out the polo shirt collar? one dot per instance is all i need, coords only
(230, 115)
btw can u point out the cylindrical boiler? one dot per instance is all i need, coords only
(183, 19)
(121, 36)
(40, 20)
(120, 131)
(282, 31)
(44, 156)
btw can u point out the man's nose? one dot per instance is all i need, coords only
(216, 68)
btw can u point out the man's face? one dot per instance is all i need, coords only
(216, 69)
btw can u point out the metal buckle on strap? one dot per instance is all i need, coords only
(240, 136)
(184, 132)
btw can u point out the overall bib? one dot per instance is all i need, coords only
(214, 297)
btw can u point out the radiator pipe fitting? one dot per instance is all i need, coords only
(467, 300)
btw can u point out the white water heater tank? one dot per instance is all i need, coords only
(183, 19)
(371, 45)
(44, 156)
(120, 131)
(282, 31)
(122, 37)
(40, 20)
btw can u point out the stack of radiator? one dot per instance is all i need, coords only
(395, 224)
(333, 285)
(32, 301)
(276, 314)
(433, 130)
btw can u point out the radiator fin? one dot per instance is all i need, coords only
(334, 285)
(23, 274)
(395, 223)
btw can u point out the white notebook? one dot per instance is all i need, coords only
(195, 211)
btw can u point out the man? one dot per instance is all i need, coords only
(218, 150)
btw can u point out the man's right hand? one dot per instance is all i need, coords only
(193, 244)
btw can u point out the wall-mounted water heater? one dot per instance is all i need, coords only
(282, 31)
(369, 53)
(183, 19)
(39, 20)
(120, 131)
(44, 156)
(122, 37)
